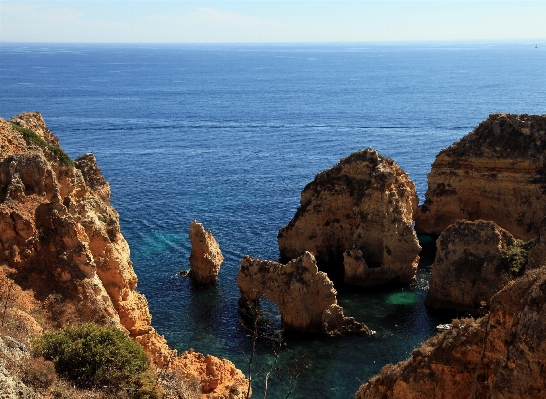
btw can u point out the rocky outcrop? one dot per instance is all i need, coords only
(473, 261)
(206, 257)
(496, 173)
(360, 213)
(61, 238)
(500, 355)
(306, 298)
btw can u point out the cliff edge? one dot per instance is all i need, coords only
(60, 240)
(496, 172)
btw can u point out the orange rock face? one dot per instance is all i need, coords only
(496, 173)
(500, 355)
(206, 257)
(358, 213)
(61, 237)
(472, 263)
(306, 298)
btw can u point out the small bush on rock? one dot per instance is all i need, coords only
(38, 372)
(99, 357)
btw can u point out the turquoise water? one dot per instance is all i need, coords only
(230, 135)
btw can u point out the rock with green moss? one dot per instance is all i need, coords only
(473, 261)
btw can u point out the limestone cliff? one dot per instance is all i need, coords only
(306, 298)
(500, 355)
(473, 261)
(360, 213)
(60, 238)
(496, 173)
(206, 257)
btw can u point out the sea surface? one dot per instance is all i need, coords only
(230, 134)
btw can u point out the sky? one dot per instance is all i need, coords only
(265, 21)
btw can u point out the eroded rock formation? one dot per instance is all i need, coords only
(61, 240)
(360, 213)
(496, 173)
(473, 261)
(206, 257)
(306, 298)
(500, 355)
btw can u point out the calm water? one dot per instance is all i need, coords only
(230, 135)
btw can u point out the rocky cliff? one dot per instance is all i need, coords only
(500, 355)
(306, 298)
(473, 261)
(358, 213)
(496, 173)
(206, 257)
(60, 240)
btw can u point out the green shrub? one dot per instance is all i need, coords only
(32, 137)
(514, 260)
(99, 357)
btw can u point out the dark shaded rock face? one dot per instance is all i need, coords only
(496, 172)
(306, 298)
(473, 261)
(359, 213)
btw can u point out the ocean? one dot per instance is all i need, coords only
(230, 134)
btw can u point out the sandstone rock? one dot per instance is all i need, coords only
(496, 173)
(62, 239)
(306, 298)
(35, 122)
(92, 175)
(359, 212)
(501, 355)
(206, 257)
(473, 262)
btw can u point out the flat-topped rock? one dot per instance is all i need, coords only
(496, 172)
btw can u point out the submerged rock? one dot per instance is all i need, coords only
(206, 257)
(306, 298)
(473, 261)
(496, 172)
(358, 213)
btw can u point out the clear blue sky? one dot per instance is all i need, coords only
(255, 21)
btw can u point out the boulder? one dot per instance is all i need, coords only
(496, 172)
(358, 213)
(206, 257)
(473, 261)
(306, 298)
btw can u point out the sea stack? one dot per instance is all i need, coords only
(306, 298)
(206, 257)
(496, 173)
(358, 214)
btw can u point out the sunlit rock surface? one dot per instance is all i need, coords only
(358, 213)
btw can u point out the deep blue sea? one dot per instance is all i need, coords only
(230, 134)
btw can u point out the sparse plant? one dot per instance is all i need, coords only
(38, 372)
(31, 136)
(7, 297)
(514, 260)
(260, 329)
